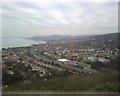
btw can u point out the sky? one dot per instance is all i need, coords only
(59, 17)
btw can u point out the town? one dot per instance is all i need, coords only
(55, 57)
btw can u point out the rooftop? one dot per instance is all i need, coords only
(63, 60)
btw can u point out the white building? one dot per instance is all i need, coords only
(63, 60)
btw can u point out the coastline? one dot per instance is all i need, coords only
(18, 42)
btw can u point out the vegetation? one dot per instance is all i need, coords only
(105, 79)
(94, 82)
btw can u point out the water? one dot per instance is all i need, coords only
(8, 42)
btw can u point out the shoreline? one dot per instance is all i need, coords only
(19, 42)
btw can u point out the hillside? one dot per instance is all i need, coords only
(111, 36)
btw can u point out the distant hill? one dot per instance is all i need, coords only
(52, 37)
(111, 36)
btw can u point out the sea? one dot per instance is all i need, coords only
(10, 42)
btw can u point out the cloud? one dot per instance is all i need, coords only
(59, 17)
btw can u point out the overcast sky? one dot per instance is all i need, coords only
(48, 17)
